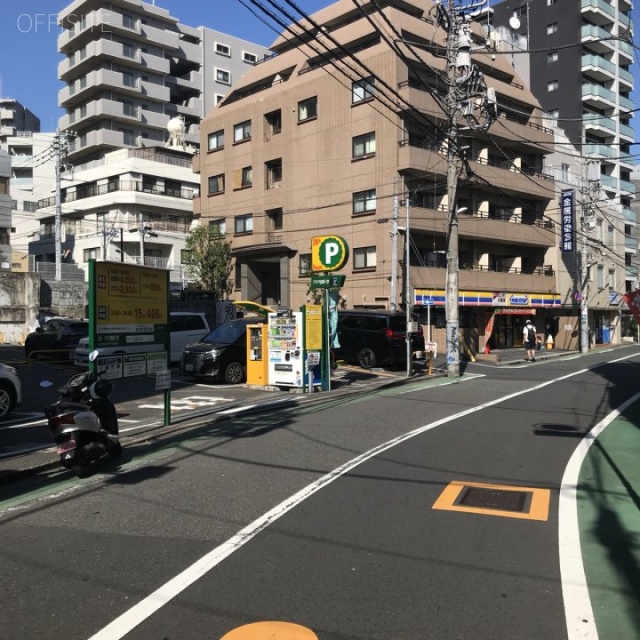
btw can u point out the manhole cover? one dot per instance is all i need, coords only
(482, 498)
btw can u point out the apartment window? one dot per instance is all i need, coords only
(128, 108)
(242, 131)
(274, 122)
(83, 82)
(216, 140)
(275, 219)
(364, 258)
(218, 227)
(364, 145)
(222, 76)
(30, 206)
(243, 224)
(362, 90)
(520, 11)
(612, 280)
(219, 98)
(552, 28)
(553, 116)
(552, 86)
(216, 184)
(551, 2)
(273, 173)
(83, 52)
(364, 201)
(599, 230)
(223, 49)
(128, 51)
(91, 254)
(564, 172)
(610, 242)
(552, 56)
(128, 79)
(304, 264)
(129, 22)
(308, 109)
(250, 58)
(128, 137)
(242, 178)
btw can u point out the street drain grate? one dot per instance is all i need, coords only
(482, 498)
(495, 500)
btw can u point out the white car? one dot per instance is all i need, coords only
(185, 327)
(10, 390)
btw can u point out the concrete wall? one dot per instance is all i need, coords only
(24, 298)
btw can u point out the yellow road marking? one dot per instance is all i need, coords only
(538, 508)
(271, 630)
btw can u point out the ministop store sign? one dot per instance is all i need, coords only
(328, 253)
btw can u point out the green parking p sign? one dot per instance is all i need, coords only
(328, 253)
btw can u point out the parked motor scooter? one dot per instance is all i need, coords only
(83, 421)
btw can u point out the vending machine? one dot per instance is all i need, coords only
(286, 340)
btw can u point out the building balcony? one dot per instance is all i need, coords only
(625, 77)
(629, 215)
(598, 67)
(476, 224)
(481, 279)
(602, 150)
(605, 125)
(160, 37)
(597, 38)
(626, 103)
(625, 51)
(597, 96)
(184, 193)
(598, 11)
(630, 245)
(627, 132)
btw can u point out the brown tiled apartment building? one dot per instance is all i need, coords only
(299, 149)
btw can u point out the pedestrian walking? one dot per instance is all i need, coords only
(529, 339)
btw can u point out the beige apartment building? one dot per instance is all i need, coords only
(311, 143)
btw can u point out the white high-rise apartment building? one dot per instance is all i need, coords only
(131, 66)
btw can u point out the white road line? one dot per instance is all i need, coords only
(122, 625)
(577, 604)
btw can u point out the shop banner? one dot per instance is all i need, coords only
(632, 298)
(567, 213)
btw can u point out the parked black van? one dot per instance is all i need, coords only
(375, 338)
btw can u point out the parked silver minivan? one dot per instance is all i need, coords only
(185, 327)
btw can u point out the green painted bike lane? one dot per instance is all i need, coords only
(609, 521)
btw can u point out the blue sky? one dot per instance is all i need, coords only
(29, 57)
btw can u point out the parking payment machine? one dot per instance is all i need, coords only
(257, 348)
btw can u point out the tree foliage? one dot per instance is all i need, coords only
(209, 260)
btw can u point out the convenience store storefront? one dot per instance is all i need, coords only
(491, 318)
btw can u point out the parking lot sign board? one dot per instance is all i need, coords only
(328, 253)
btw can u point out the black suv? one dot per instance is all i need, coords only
(375, 338)
(221, 354)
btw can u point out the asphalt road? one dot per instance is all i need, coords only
(286, 517)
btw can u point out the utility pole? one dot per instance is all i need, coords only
(394, 247)
(57, 155)
(60, 146)
(467, 97)
(408, 302)
(589, 193)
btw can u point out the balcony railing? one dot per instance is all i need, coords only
(185, 193)
(546, 270)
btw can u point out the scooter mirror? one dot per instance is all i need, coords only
(45, 384)
(93, 355)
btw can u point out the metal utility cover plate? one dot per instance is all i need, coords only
(495, 500)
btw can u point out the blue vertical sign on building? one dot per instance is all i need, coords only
(566, 211)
